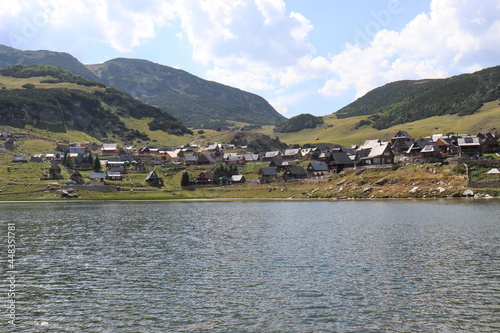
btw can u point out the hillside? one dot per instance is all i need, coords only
(10, 56)
(406, 101)
(56, 100)
(346, 131)
(196, 102)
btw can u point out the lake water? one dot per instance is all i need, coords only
(365, 266)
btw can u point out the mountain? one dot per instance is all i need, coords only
(51, 98)
(298, 123)
(406, 101)
(196, 102)
(10, 56)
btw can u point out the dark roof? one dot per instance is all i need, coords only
(268, 171)
(296, 170)
(340, 157)
(318, 166)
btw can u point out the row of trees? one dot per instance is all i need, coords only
(88, 161)
(218, 171)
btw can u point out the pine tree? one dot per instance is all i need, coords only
(90, 159)
(185, 179)
(97, 164)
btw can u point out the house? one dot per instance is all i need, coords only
(401, 141)
(113, 175)
(55, 170)
(36, 159)
(204, 178)
(292, 154)
(310, 153)
(294, 172)
(269, 155)
(108, 149)
(316, 169)
(493, 172)
(115, 165)
(205, 159)
(237, 179)
(77, 177)
(490, 143)
(446, 145)
(279, 164)
(469, 147)
(430, 150)
(415, 148)
(191, 159)
(152, 179)
(234, 159)
(97, 176)
(267, 175)
(381, 154)
(338, 160)
(249, 157)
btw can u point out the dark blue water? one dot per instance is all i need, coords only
(369, 266)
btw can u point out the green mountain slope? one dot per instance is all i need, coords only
(196, 102)
(10, 56)
(57, 100)
(405, 101)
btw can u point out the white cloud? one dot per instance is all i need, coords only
(450, 38)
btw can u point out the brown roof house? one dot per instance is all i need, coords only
(379, 154)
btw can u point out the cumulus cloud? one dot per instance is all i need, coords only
(450, 38)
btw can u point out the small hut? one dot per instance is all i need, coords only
(55, 171)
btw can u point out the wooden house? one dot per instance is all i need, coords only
(381, 154)
(109, 149)
(469, 147)
(338, 160)
(489, 143)
(317, 169)
(114, 175)
(267, 175)
(152, 179)
(77, 177)
(55, 170)
(401, 141)
(270, 155)
(279, 164)
(294, 172)
(430, 150)
(204, 178)
(292, 154)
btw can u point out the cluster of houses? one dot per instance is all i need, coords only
(284, 165)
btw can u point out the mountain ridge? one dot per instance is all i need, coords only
(195, 101)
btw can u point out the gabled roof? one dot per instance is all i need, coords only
(268, 171)
(292, 151)
(378, 150)
(98, 175)
(468, 141)
(494, 171)
(109, 146)
(431, 147)
(369, 144)
(237, 178)
(317, 166)
(296, 170)
(271, 154)
(402, 135)
(339, 157)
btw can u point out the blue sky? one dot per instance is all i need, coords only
(303, 57)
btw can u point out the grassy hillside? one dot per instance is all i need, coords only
(345, 131)
(196, 102)
(58, 101)
(406, 101)
(10, 56)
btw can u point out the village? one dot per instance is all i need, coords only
(100, 166)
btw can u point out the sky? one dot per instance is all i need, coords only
(302, 56)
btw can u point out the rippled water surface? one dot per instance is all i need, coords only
(399, 266)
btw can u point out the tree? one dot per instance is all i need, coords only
(97, 164)
(90, 159)
(185, 179)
